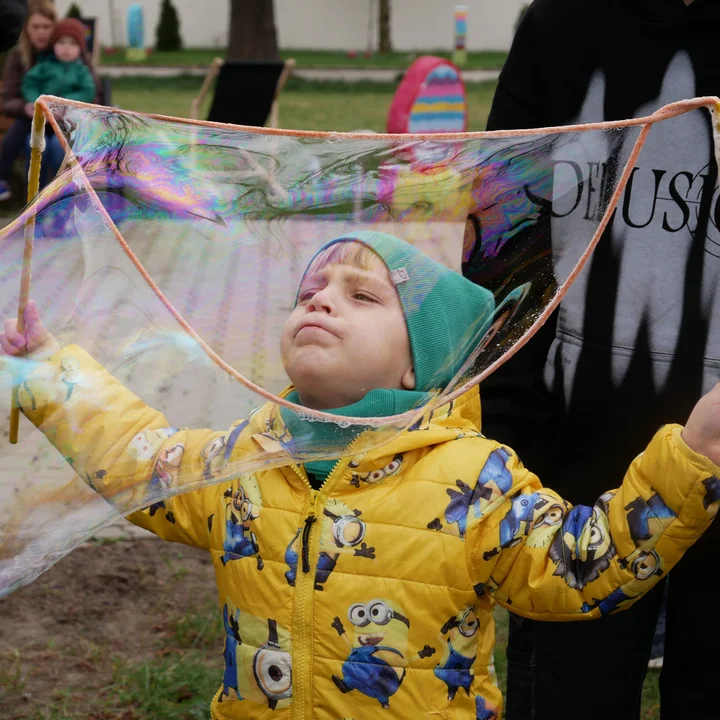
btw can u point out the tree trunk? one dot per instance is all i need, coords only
(385, 46)
(252, 30)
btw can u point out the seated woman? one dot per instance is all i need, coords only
(33, 44)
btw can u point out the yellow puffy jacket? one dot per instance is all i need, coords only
(372, 597)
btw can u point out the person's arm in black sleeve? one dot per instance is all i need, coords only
(516, 405)
(519, 97)
(12, 17)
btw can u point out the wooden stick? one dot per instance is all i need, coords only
(37, 145)
(275, 109)
(213, 70)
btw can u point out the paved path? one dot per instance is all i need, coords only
(349, 75)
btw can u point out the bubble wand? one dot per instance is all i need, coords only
(37, 145)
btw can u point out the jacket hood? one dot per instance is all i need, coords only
(459, 418)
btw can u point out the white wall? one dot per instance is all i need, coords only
(415, 24)
(322, 24)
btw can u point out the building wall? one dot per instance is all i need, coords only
(322, 24)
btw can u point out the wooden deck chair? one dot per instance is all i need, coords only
(246, 93)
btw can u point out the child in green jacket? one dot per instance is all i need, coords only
(62, 72)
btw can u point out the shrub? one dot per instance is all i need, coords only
(74, 11)
(167, 33)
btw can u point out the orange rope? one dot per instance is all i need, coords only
(454, 392)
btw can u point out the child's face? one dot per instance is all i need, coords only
(66, 49)
(346, 336)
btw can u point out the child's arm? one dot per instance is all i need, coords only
(122, 448)
(84, 88)
(542, 558)
(32, 83)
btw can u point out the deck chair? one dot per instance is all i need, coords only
(246, 93)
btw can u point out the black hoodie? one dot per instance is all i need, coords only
(636, 341)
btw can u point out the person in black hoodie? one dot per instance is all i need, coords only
(636, 339)
(12, 18)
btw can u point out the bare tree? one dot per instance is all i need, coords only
(385, 45)
(252, 30)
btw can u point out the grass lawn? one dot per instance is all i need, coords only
(486, 60)
(303, 105)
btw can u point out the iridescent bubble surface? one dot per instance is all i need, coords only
(171, 252)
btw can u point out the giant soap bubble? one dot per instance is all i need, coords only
(170, 252)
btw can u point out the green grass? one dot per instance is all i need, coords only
(198, 628)
(193, 57)
(303, 105)
(173, 688)
(11, 678)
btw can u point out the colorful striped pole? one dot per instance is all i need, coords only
(460, 52)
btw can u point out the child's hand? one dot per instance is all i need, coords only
(35, 338)
(702, 430)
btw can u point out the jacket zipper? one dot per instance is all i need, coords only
(309, 520)
(304, 585)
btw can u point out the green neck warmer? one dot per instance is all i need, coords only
(377, 403)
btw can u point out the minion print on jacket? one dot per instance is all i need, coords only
(516, 523)
(166, 472)
(646, 565)
(374, 476)
(276, 437)
(711, 501)
(70, 376)
(485, 710)
(258, 663)
(232, 438)
(240, 512)
(647, 520)
(583, 548)
(148, 445)
(459, 635)
(232, 640)
(494, 481)
(213, 457)
(532, 518)
(292, 555)
(342, 532)
(378, 658)
(545, 525)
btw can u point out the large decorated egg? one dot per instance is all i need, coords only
(431, 98)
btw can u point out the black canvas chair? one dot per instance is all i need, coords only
(246, 91)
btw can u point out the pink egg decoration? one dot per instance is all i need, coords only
(431, 98)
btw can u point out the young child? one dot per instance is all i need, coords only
(62, 72)
(363, 587)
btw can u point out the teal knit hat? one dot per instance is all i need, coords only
(444, 312)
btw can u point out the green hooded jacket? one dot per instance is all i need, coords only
(50, 76)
